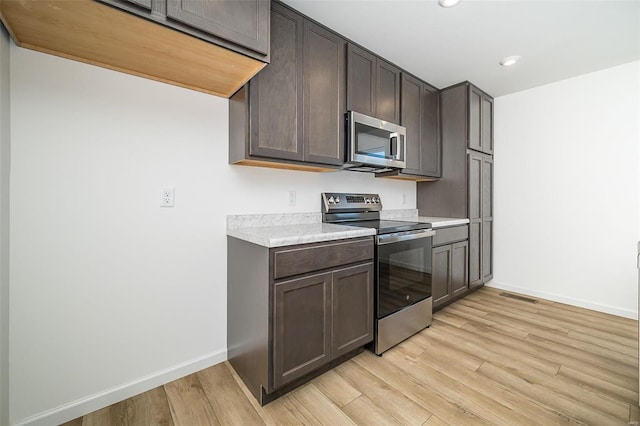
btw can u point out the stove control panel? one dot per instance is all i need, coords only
(333, 202)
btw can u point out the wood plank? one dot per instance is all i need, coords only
(189, 403)
(619, 367)
(115, 415)
(462, 359)
(577, 410)
(435, 421)
(336, 388)
(491, 350)
(397, 404)
(458, 393)
(317, 408)
(625, 330)
(441, 361)
(364, 412)
(418, 393)
(447, 318)
(279, 412)
(94, 33)
(409, 347)
(604, 342)
(629, 356)
(226, 398)
(623, 393)
(149, 408)
(491, 325)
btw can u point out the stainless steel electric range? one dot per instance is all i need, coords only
(403, 303)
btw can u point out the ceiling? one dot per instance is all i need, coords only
(556, 39)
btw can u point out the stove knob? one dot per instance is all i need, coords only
(337, 200)
(375, 200)
(331, 200)
(367, 200)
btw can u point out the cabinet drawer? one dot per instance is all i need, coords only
(289, 261)
(450, 235)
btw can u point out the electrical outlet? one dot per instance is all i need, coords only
(167, 198)
(292, 197)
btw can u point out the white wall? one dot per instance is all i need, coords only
(110, 294)
(5, 157)
(567, 190)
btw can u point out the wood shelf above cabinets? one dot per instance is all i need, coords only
(97, 34)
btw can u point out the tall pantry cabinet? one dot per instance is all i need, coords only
(466, 187)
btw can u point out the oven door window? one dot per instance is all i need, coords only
(404, 274)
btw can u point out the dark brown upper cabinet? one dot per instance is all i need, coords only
(480, 120)
(420, 115)
(242, 26)
(291, 115)
(324, 80)
(245, 23)
(373, 85)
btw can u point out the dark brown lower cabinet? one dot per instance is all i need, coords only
(450, 274)
(351, 320)
(294, 311)
(319, 318)
(302, 321)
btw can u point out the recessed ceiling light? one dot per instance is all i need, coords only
(448, 3)
(509, 60)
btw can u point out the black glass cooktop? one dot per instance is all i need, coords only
(389, 226)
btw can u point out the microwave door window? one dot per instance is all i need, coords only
(372, 142)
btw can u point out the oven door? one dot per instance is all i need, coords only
(403, 270)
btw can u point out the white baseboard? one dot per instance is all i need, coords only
(94, 402)
(613, 310)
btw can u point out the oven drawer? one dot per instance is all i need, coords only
(296, 260)
(450, 235)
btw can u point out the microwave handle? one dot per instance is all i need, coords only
(394, 145)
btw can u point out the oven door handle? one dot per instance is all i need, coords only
(390, 239)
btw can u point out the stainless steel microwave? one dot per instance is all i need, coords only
(374, 145)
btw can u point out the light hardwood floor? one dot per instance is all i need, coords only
(486, 359)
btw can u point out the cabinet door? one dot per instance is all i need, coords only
(441, 274)
(275, 93)
(475, 135)
(324, 95)
(431, 141)
(245, 23)
(301, 330)
(387, 94)
(361, 81)
(411, 119)
(351, 309)
(474, 165)
(486, 113)
(459, 267)
(487, 217)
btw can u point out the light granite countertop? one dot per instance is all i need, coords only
(442, 222)
(288, 235)
(286, 229)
